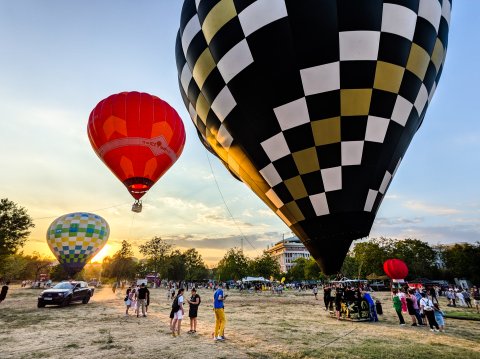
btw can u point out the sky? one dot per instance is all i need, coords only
(58, 59)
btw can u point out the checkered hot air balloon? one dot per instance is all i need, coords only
(138, 136)
(312, 103)
(76, 238)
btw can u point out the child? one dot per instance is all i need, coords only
(439, 317)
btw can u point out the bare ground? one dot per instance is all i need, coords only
(263, 325)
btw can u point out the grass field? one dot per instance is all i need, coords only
(293, 325)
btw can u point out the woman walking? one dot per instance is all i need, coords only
(397, 305)
(426, 306)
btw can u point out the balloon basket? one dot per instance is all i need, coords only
(137, 207)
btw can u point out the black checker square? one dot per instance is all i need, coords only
(324, 105)
(195, 49)
(357, 74)
(355, 186)
(443, 32)
(425, 35)
(283, 193)
(241, 5)
(382, 103)
(353, 128)
(305, 206)
(313, 182)
(394, 49)
(311, 19)
(226, 38)
(300, 137)
(410, 86)
(430, 76)
(193, 93)
(179, 55)
(371, 154)
(189, 10)
(329, 155)
(274, 57)
(355, 15)
(212, 86)
(204, 7)
(213, 123)
(286, 167)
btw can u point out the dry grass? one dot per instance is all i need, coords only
(260, 326)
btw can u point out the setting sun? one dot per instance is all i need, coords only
(104, 252)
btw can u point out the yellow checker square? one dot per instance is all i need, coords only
(202, 107)
(355, 102)
(438, 54)
(306, 160)
(418, 61)
(388, 77)
(220, 14)
(326, 131)
(203, 67)
(293, 212)
(296, 187)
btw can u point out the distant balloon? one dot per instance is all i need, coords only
(312, 104)
(395, 269)
(76, 238)
(138, 136)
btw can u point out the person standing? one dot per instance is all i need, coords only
(194, 302)
(476, 297)
(219, 310)
(426, 305)
(326, 295)
(466, 297)
(315, 292)
(414, 300)
(142, 299)
(128, 300)
(439, 317)
(3, 293)
(178, 314)
(397, 305)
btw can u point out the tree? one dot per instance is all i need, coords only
(36, 265)
(195, 268)
(419, 256)
(122, 265)
(176, 267)
(350, 267)
(13, 266)
(234, 265)
(371, 255)
(14, 227)
(297, 272)
(312, 270)
(156, 251)
(462, 261)
(265, 266)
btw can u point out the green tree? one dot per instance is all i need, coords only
(265, 266)
(312, 270)
(297, 272)
(234, 265)
(195, 268)
(419, 256)
(350, 266)
(156, 251)
(58, 273)
(176, 267)
(462, 261)
(14, 227)
(371, 255)
(13, 266)
(122, 265)
(36, 265)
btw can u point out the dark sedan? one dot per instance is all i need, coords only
(64, 293)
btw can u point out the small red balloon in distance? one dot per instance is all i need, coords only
(395, 268)
(138, 136)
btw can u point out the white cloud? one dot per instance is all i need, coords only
(431, 209)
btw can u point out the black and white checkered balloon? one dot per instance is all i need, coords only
(312, 103)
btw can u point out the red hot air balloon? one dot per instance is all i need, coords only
(138, 136)
(395, 269)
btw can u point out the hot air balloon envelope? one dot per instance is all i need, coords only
(76, 238)
(395, 269)
(312, 104)
(138, 136)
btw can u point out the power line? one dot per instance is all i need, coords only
(225, 203)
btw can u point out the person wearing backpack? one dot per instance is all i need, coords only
(178, 312)
(194, 302)
(426, 306)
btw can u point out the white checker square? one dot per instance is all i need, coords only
(223, 104)
(359, 45)
(292, 114)
(191, 29)
(431, 10)
(186, 77)
(401, 110)
(276, 147)
(371, 197)
(386, 180)
(332, 178)
(352, 153)
(270, 174)
(224, 137)
(322, 78)
(320, 204)
(235, 60)
(261, 13)
(446, 10)
(421, 99)
(432, 91)
(399, 20)
(272, 196)
(376, 129)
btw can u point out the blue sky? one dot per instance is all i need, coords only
(58, 59)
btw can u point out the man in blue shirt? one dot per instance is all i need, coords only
(218, 308)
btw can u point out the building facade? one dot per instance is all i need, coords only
(286, 251)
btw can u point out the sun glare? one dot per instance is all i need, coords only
(104, 252)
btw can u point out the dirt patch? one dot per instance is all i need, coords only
(291, 326)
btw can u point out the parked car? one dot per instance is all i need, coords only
(64, 293)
